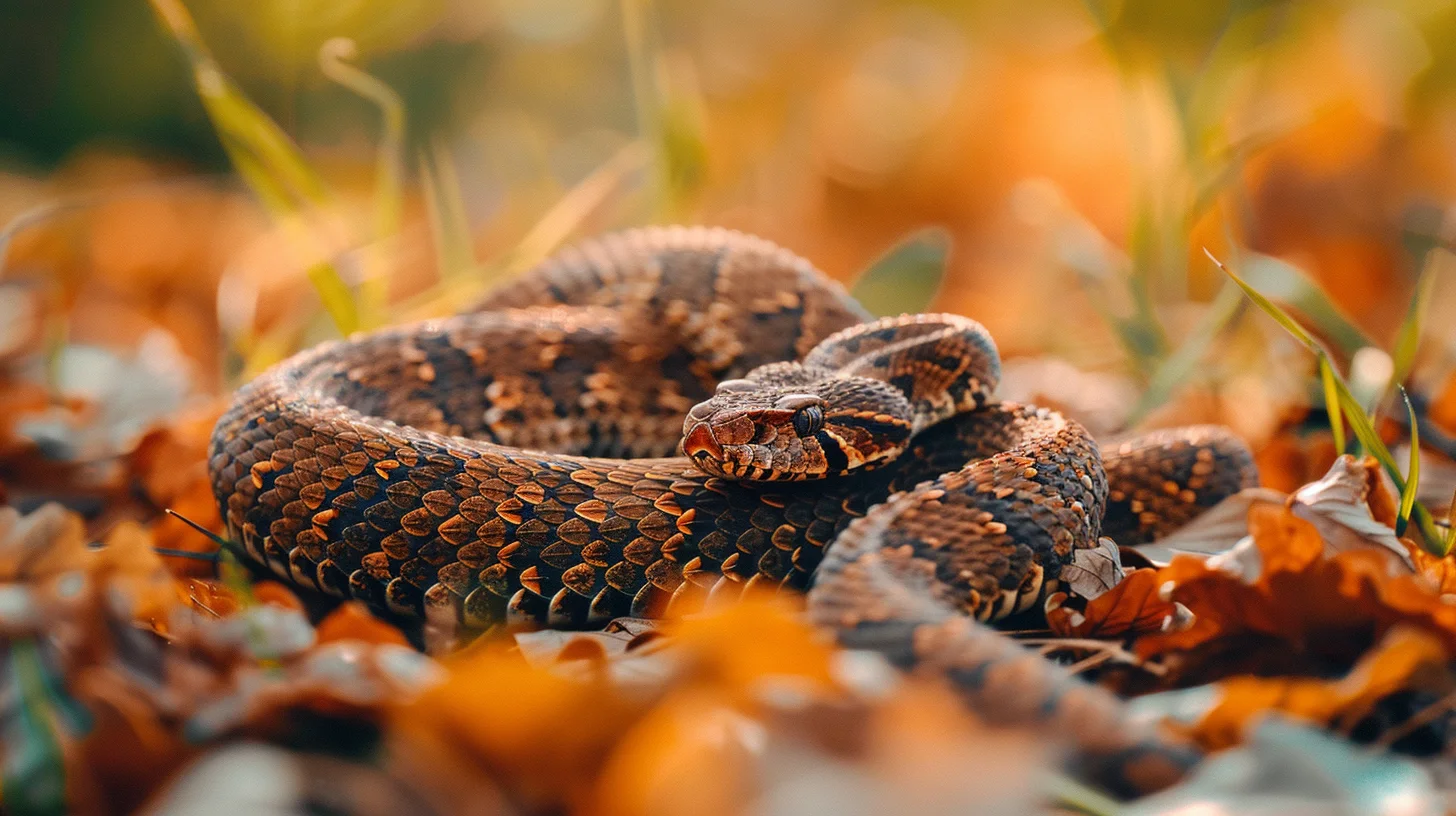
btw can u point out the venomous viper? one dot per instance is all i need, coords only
(514, 464)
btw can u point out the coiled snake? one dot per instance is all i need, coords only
(508, 465)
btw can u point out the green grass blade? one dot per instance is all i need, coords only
(1408, 338)
(907, 277)
(264, 157)
(1176, 368)
(1286, 284)
(1353, 411)
(1365, 431)
(389, 176)
(336, 296)
(1332, 403)
(445, 204)
(1268, 307)
(1413, 469)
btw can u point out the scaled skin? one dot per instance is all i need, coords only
(469, 467)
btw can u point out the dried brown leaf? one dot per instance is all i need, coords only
(1094, 570)
(1287, 603)
(1133, 606)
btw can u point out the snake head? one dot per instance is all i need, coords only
(784, 425)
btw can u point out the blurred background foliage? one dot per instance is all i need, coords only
(1069, 162)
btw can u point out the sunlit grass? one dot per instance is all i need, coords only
(549, 232)
(668, 109)
(270, 163)
(1412, 470)
(1408, 338)
(1360, 421)
(389, 177)
(445, 204)
(1332, 403)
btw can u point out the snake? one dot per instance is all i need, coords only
(664, 418)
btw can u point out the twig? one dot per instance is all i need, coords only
(1417, 720)
(1112, 650)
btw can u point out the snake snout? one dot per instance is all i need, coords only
(699, 442)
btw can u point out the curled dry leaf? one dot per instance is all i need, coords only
(1438, 573)
(1095, 570)
(1284, 604)
(1351, 508)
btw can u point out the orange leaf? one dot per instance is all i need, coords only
(546, 733)
(1285, 542)
(128, 562)
(1132, 605)
(352, 621)
(272, 592)
(210, 598)
(756, 637)
(1293, 608)
(1440, 572)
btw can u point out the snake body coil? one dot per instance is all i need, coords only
(512, 464)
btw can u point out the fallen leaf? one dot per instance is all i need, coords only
(128, 562)
(1281, 604)
(352, 621)
(1351, 508)
(1093, 570)
(1440, 573)
(1133, 606)
(759, 637)
(170, 464)
(496, 717)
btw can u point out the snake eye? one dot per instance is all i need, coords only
(808, 420)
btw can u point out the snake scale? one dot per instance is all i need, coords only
(515, 464)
